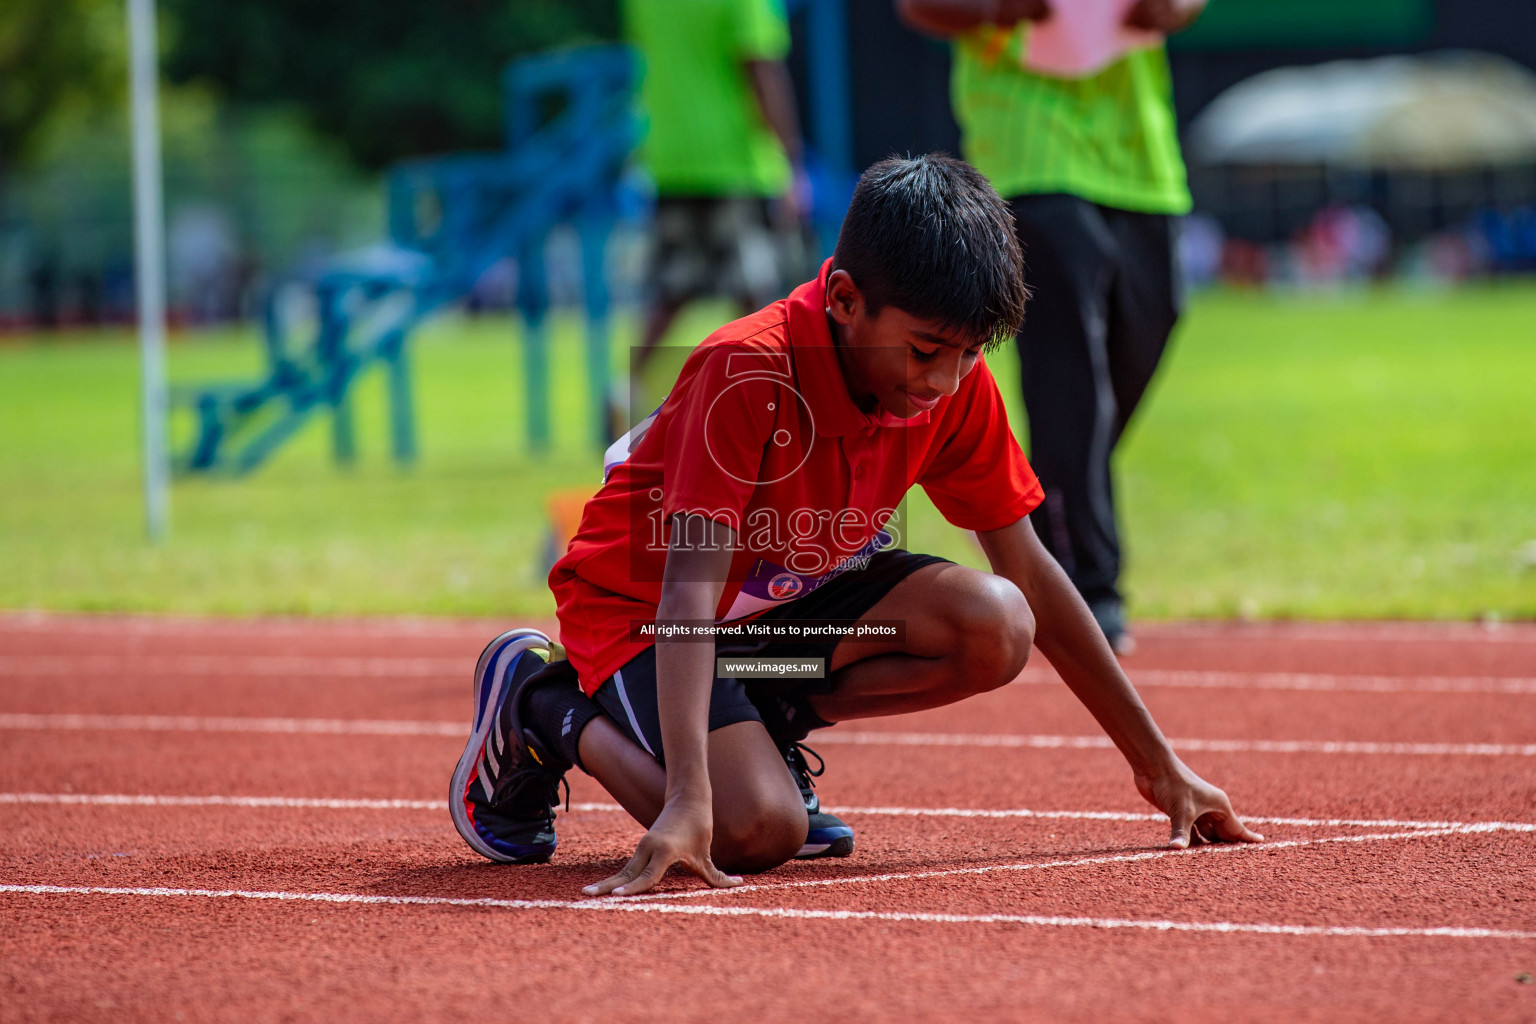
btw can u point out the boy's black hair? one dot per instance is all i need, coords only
(930, 236)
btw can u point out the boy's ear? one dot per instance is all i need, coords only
(844, 300)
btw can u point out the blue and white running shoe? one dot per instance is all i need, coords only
(828, 835)
(506, 786)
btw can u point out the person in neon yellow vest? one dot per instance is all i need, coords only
(1087, 153)
(724, 148)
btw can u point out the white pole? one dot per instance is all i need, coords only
(149, 237)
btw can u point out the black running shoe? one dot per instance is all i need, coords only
(828, 835)
(507, 785)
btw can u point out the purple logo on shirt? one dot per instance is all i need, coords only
(784, 586)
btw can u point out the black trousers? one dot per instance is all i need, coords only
(1106, 294)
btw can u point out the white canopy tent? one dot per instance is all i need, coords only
(1437, 112)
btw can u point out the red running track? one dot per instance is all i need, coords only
(245, 820)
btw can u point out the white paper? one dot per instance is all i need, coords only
(1083, 37)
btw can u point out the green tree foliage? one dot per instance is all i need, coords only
(386, 78)
(54, 53)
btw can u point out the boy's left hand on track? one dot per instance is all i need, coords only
(680, 835)
(1197, 810)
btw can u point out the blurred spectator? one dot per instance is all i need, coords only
(88, 298)
(203, 256)
(44, 285)
(1342, 244)
(1507, 237)
(1244, 263)
(1200, 249)
(1088, 154)
(1444, 258)
(724, 149)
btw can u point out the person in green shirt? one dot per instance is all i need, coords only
(1092, 170)
(723, 145)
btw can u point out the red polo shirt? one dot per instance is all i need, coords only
(761, 433)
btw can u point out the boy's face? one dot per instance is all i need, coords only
(893, 359)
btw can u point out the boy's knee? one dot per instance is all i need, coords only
(997, 631)
(760, 838)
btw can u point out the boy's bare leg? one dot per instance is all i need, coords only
(759, 818)
(967, 632)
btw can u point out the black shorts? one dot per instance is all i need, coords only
(715, 245)
(628, 697)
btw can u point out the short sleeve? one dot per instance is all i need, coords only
(760, 30)
(978, 478)
(716, 436)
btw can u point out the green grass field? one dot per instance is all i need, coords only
(1364, 455)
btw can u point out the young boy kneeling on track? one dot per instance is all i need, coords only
(760, 492)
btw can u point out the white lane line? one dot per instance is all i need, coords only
(930, 739)
(301, 666)
(392, 727)
(644, 907)
(181, 626)
(1024, 812)
(1075, 862)
(288, 802)
(231, 665)
(1347, 632)
(1306, 682)
(323, 803)
(187, 723)
(153, 800)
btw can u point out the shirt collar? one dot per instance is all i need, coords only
(820, 375)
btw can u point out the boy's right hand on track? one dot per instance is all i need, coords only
(1197, 810)
(681, 834)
